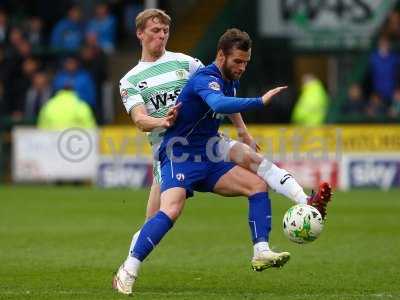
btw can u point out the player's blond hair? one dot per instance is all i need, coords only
(150, 14)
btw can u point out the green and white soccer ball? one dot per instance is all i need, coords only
(302, 223)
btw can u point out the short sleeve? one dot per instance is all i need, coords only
(130, 95)
(204, 85)
(194, 65)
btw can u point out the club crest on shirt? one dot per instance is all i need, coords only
(180, 74)
(180, 176)
(214, 86)
(124, 95)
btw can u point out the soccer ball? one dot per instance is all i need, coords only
(302, 223)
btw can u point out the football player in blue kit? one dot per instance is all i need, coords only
(191, 160)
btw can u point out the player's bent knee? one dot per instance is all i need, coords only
(172, 202)
(247, 158)
(173, 212)
(173, 209)
(257, 186)
(242, 157)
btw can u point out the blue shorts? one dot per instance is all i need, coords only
(192, 175)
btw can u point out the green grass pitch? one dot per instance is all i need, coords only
(66, 242)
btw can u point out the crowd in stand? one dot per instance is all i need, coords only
(37, 61)
(377, 97)
(39, 57)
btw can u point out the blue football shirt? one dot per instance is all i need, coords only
(205, 98)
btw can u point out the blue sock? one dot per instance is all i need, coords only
(260, 217)
(151, 234)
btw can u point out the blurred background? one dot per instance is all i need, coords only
(338, 121)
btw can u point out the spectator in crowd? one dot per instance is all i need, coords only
(37, 95)
(17, 50)
(6, 107)
(3, 26)
(311, 108)
(95, 62)
(103, 26)
(66, 110)
(17, 66)
(127, 11)
(394, 110)
(355, 104)
(3, 72)
(79, 79)
(22, 83)
(384, 70)
(2, 102)
(68, 33)
(34, 32)
(392, 26)
(376, 108)
(24, 49)
(15, 38)
(3, 66)
(20, 67)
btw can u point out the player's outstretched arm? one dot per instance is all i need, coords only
(266, 98)
(209, 89)
(228, 105)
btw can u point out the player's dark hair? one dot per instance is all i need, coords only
(234, 38)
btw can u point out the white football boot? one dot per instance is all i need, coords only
(123, 281)
(268, 258)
